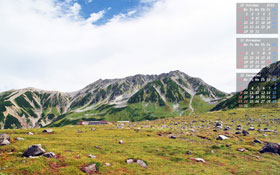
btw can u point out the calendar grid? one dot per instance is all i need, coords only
(256, 53)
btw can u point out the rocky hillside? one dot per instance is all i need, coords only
(27, 108)
(139, 97)
(272, 72)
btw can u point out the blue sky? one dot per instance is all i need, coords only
(111, 7)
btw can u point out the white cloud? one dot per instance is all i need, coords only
(75, 10)
(131, 12)
(148, 1)
(94, 17)
(47, 45)
(122, 16)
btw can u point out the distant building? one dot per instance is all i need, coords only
(82, 123)
(123, 121)
(98, 123)
(94, 123)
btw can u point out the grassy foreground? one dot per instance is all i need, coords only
(149, 141)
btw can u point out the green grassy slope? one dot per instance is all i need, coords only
(162, 154)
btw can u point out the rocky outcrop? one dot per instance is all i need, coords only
(271, 148)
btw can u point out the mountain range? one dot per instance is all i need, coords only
(271, 73)
(134, 98)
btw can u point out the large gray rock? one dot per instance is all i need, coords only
(5, 142)
(4, 137)
(34, 150)
(90, 169)
(271, 148)
(141, 163)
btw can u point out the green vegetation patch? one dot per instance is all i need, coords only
(11, 122)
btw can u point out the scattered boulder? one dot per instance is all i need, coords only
(189, 152)
(138, 161)
(245, 133)
(265, 130)
(251, 128)
(30, 133)
(97, 147)
(4, 137)
(228, 145)
(49, 155)
(141, 163)
(222, 137)
(93, 129)
(219, 124)
(241, 149)
(90, 169)
(172, 137)
(257, 141)
(227, 128)
(191, 130)
(198, 160)
(238, 132)
(19, 138)
(107, 164)
(47, 131)
(92, 156)
(79, 131)
(34, 150)
(129, 161)
(5, 142)
(238, 127)
(121, 142)
(271, 148)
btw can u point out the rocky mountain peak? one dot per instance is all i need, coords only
(175, 93)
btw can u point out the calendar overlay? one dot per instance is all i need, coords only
(261, 90)
(256, 53)
(257, 18)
